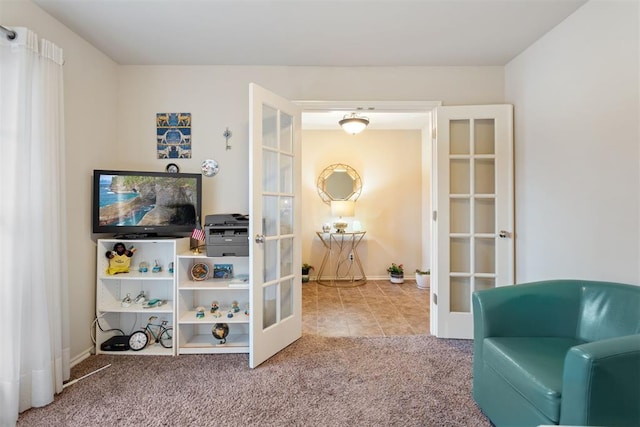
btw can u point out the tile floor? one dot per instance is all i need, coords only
(377, 308)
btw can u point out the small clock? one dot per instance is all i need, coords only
(172, 168)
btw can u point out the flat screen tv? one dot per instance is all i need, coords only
(146, 204)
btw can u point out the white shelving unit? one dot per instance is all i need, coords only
(193, 333)
(112, 289)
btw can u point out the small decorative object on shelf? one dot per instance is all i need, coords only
(119, 258)
(143, 267)
(222, 271)
(199, 271)
(326, 228)
(156, 267)
(200, 313)
(423, 278)
(171, 267)
(214, 306)
(220, 331)
(396, 273)
(141, 298)
(235, 307)
(126, 302)
(246, 310)
(305, 272)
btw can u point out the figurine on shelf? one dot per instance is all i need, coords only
(119, 258)
(246, 310)
(141, 298)
(126, 302)
(156, 268)
(235, 307)
(214, 306)
(200, 313)
(143, 267)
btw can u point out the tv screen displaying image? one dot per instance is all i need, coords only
(146, 203)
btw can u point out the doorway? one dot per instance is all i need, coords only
(378, 308)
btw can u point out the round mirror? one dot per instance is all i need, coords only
(339, 182)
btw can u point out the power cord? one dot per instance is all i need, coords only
(96, 322)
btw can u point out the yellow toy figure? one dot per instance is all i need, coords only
(119, 258)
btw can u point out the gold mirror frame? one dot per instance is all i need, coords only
(325, 175)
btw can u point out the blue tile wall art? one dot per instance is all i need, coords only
(173, 135)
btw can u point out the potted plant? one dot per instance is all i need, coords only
(305, 271)
(396, 273)
(423, 278)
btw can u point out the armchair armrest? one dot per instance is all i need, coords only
(601, 383)
(535, 309)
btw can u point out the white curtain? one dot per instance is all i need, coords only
(34, 312)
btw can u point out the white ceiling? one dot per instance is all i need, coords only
(313, 33)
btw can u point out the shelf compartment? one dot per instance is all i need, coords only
(190, 318)
(213, 284)
(154, 349)
(197, 344)
(167, 307)
(136, 275)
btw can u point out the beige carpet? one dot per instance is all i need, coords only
(317, 381)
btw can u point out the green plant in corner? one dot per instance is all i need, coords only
(305, 272)
(395, 269)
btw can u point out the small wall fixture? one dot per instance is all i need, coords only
(353, 123)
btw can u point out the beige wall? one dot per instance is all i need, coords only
(389, 208)
(90, 80)
(576, 95)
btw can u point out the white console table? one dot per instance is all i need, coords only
(341, 257)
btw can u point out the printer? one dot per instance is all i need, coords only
(227, 235)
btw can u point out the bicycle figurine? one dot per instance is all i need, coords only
(160, 333)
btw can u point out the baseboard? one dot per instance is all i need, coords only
(82, 356)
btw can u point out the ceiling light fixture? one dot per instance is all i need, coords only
(353, 124)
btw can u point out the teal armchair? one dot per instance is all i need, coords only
(558, 352)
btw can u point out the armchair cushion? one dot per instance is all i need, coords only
(533, 366)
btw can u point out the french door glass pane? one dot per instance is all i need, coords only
(286, 257)
(286, 174)
(270, 215)
(459, 176)
(483, 283)
(460, 253)
(459, 137)
(270, 260)
(485, 180)
(485, 255)
(286, 298)
(485, 211)
(460, 296)
(286, 215)
(269, 171)
(484, 136)
(460, 216)
(286, 133)
(269, 304)
(269, 127)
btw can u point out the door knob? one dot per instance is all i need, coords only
(504, 234)
(259, 238)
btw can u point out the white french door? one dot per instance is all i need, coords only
(274, 206)
(473, 211)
